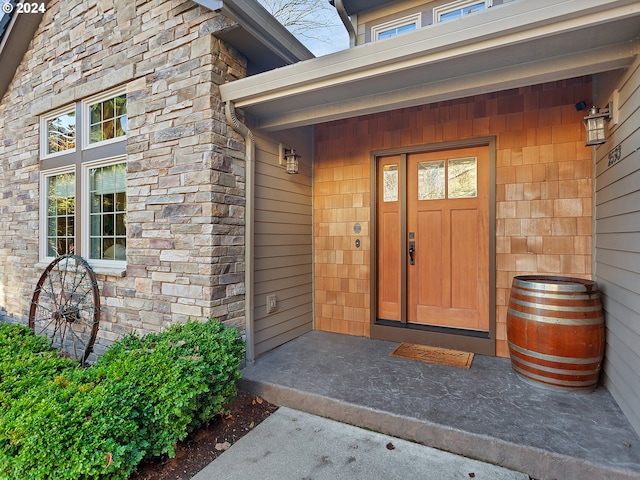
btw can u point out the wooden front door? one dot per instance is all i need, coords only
(433, 239)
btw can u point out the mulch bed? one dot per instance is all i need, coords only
(203, 446)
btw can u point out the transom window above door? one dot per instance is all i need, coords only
(459, 9)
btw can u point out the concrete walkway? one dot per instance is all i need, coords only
(292, 445)
(486, 412)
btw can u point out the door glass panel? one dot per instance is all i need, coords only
(431, 180)
(390, 179)
(463, 178)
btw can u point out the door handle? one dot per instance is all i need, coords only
(412, 250)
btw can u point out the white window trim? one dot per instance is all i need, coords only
(44, 176)
(86, 118)
(112, 267)
(398, 22)
(44, 137)
(450, 7)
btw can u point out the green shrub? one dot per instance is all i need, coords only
(138, 400)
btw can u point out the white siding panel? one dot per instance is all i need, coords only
(625, 241)
(611, 294)
(622, 260)
(622, 205)
(610, 174)
(628, 184)
(617, 244)
(622, 314)
(283, 230)
(620, 223)
(619, 353)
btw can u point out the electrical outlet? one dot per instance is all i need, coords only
(271, 303)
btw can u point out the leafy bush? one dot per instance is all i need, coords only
(141, 397)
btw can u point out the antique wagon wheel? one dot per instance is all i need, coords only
(65, 306)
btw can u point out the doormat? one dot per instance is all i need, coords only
(439, 356)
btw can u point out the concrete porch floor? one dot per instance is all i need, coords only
(486, 412)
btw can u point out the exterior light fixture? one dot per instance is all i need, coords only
(288, 158)
(595, 125)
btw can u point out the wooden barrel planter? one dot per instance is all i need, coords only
(555, 330)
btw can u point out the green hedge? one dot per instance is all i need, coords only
(58, 421)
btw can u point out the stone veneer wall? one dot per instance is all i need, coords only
(543, 191)
(185, 182)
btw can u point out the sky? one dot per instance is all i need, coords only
(332, 38)
(335, 38)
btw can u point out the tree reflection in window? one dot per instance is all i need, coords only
(61, 133)
(458, 177)
(108, 119)
(463, 178)
(61, 206)
(390, 183)
(431, 180)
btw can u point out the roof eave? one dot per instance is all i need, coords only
(261, 33)
(481, 53)
(15, 43)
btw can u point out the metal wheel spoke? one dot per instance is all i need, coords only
(66, 306)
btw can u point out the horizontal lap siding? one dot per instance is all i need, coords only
(283, 249)
(617, 246)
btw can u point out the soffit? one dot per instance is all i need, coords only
(257, 35)
(357, 6)
(515, 45)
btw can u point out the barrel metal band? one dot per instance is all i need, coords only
(555, 320)
(556, 308)
(559, 371)
(568, 383)
(554, 358)
(584, 296)
(551, 287)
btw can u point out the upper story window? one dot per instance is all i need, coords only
(396, 27)
(59, 132)
(459, 9)
(83, 185)
(107, 118)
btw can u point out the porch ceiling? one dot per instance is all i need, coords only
(509, 46)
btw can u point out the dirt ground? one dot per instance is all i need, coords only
(200, 448)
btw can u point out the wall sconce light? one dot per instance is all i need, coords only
(595, 125)
(289, 159)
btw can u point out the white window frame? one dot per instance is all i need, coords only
(44, 197)
(85, 221)
(78, 163)
(44, 132)
(86, 118)
(415, 18)
(438, 12)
